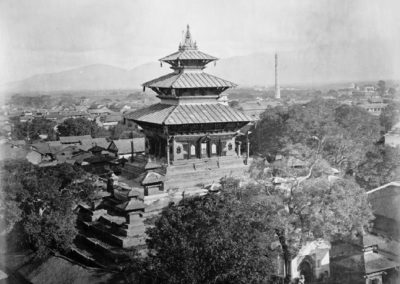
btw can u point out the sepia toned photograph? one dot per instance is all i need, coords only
(199, 142)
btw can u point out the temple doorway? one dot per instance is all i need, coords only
(306, 269)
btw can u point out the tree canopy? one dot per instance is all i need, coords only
(77, 127)
(341, 132)
(390, 116)
(303, 200)
(37, 204)
(210, 239)
(381, 166)
(32, 129)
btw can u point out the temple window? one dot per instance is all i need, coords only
(178, 150)
(230, 146)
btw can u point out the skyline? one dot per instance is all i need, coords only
(59, 35)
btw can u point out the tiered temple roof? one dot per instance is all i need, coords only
(168, 114)
(188, 95)
(180, 80)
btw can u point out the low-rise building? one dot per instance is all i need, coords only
(127, 148)
(373, 108)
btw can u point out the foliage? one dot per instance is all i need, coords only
(390, 116)
(32, 129)
(381, 87)
(381, 166)
(341, 133)
(210, 239)
(77, 127)
(308, 202)
(121, 131)
(45, 198)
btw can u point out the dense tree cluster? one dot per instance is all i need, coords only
(83, 126)
(390, 116)
(77, 127)
(236, 235)
(380, 166)
(210, 239)
(32, 129)
(341, 132)
(36, 206)
(346, 137)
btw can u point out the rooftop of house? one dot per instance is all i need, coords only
(123, 146)
(74, 139)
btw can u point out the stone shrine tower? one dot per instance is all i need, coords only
(189, 131)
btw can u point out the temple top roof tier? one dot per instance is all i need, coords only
(188, 56)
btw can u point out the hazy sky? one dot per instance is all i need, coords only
(48, 36)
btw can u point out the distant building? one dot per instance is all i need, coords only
(110, 120)
(127, 148)
(373, 108)
(392, 138)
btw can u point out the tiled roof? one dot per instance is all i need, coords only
(188, 55)
(112, 118)
(185, 80)
(131, 205)
(375, 262)
(74, 139)
(188, 114)
(124, 145)
(86, 144)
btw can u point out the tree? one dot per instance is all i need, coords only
(392, 91)
(381, 87)
(32, 129)
(342, 132)
(381, 166)
(210, 239)
(390, 116)
(45, 198)
(305, 203)
(77, 127)
(121, 131)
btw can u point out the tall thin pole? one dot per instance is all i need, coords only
(277, 88)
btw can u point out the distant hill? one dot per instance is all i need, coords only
(92, 77)
(308, 67)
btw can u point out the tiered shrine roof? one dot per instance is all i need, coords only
(186, 80)
(188, 114)
(188, 55)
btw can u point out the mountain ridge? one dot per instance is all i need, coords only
(256, 69)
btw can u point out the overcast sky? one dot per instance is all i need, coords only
(49, 36)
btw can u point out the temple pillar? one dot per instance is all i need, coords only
(239, 149)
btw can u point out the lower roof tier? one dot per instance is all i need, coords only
(167, 114)
(187, 80)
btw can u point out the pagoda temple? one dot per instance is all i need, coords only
(189, 129)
